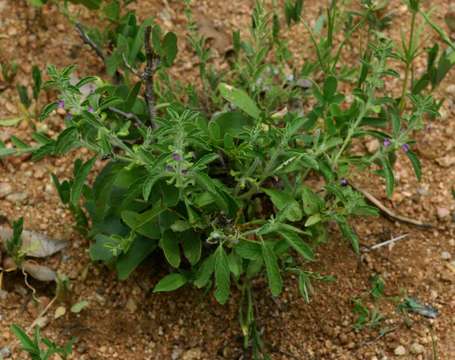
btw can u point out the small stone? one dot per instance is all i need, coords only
(3, 294)
(446, 161)
(17, 198)
(192, 354)
(372, 146)
(416, 349)
(176, 353)
(5, 189)
(450, 89)
(399, 350)
(445, 255)
(442, 213)
(131, 305)
(5, 352)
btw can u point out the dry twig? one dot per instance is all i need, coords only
(389, 213)
(86, 39)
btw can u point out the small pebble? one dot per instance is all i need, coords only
(5, 352)
(445, 255)
(416, 349)
(399, 350)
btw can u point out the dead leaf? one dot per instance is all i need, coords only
(59, 312)
(35, 244)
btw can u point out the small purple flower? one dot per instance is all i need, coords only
(69, 116)
(90, 109)
(176, 157)
(344, 182)
(387, 142)
(169, 168)
(61, 104)
(406, 147)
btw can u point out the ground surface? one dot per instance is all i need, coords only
(125, 321)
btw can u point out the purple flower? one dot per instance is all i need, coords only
(90, 109)
(344, 182)
(61, 104)
(69, 116)
(387, 142)
(406, 147)
(176, 157)
(169, 168)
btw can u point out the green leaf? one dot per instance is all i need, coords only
(101, 249)
(45, 112)
(232, 123)
(240, 99)
(222, 276)
(296, 242)
(170, 245)
(248, 250)
(78, 307)
(79, 181)
(139, 250)
(37, 81)
(192, 246)
(272, 268)
(312, 203)
(205, 271)
(349, 233)
(146, 223)
(313, 219)
(286, 203)
(170, 282)
(415, 164)
(11, 122)
(235, 264)
(26, 342)
(330, 87)
(388, 175)
(169, 48)
(23, 96)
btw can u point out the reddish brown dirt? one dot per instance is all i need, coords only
(124, 320)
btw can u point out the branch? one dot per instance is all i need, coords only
(86, 39)
(127, 115)
(389, 213)
(152, 64)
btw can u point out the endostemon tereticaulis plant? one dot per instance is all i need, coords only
(216, 180)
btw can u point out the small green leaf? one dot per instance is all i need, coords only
(169, 48)
(313, 219)
(11, 122)
(298, 244)
(170, 282)
(415, 164)
(79, 181)
(388, 175)
(170, 245)
(26, 342)
(192, 246)
(78, 307)
(205, 271)
(240, 99)
(222, 276)
(272, 269)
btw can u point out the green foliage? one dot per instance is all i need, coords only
(14, 245)
(33, 345)
(213, 177)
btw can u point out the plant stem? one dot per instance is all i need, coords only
(409, 60)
